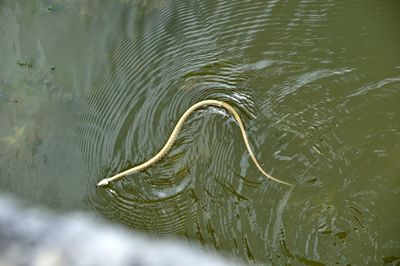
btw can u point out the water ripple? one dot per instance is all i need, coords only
(275, 63)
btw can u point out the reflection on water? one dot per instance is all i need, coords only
(317, 85)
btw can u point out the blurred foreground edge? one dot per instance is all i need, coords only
(36, 237)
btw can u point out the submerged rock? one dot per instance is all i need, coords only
(35, 237)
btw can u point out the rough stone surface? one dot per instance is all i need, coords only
(34, 237)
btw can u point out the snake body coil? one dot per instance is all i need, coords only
(164, 151)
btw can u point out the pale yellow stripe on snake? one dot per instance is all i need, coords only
(164, 151)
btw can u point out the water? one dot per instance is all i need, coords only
(91, 88)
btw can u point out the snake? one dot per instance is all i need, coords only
(171, 140)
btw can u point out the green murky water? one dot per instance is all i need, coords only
(90, 88)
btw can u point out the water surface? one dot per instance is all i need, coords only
(91, 88)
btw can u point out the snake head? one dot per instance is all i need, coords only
(103, 183)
